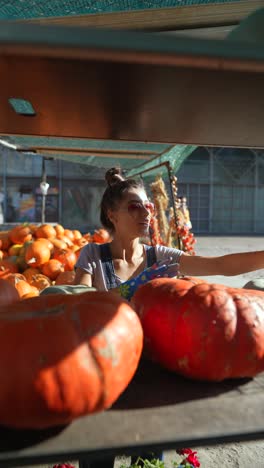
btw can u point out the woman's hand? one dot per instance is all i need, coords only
(159, 269)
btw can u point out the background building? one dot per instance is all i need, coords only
(224, 188)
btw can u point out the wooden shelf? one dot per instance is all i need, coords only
(158, 410)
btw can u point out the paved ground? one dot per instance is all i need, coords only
(246, 455)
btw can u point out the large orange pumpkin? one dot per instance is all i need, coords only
(77, 354)
(8, 293)
(37, 254)
(204, 331)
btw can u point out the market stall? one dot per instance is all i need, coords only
(99, 97)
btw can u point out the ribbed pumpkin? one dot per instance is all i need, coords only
(8, 293)
(76, 355)
(76, 234)
(23, 287)
(47, 242)
(21, 262)
(20, 234)
(58, 243)
(6, 242)
(52, 268)
(101, 236)
(69, 233)
(7, 267)
(13, 278)
(59, 229)
(66, 240)
(45, 230)
(15, 249)
(66, 277)
(30, 272)
(81, 242)
(40, 282)
(33, 293)
(66, 257)
(204, 331)
(37, 254)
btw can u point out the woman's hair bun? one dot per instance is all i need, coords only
(113, 176)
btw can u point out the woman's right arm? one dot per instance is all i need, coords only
(81, 277)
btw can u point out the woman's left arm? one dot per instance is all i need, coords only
(228, 265)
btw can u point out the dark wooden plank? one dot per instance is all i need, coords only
(180, 17)
(125, 101)
(158, 409)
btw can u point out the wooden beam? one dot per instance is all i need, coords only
(185, 17)
(85, 153)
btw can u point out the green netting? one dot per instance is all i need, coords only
(99, 162)
(136, 151)
(158, 152)
(84, 144)
(151, 166)
(175, 156)
(23, 9)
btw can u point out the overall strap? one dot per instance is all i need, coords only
(151, 255)
(108, 267)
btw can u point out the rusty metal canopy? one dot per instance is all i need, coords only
(76, 83)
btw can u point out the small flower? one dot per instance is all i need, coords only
(190, 459)
(185, 451)
(63, 465)
(193, 459)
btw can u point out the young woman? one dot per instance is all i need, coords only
(126, 213)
